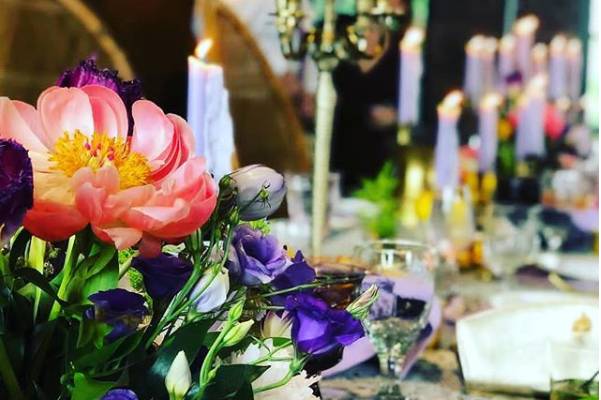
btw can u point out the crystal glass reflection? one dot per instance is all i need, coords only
(404, 274)
(510, 239)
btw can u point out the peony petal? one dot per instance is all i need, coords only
(64, 110)
(150, 218)
(89, 201)
(153, 132)
(53, 221)
(119, 203)
(110, 115)
(122, 237)
(19, 126)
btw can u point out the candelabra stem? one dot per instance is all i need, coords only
(326, 102)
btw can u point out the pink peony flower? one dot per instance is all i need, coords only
(88, 171)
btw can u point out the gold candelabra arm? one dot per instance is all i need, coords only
(326, 102)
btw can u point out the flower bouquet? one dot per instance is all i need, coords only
(127, 273)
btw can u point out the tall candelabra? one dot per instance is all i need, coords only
(330, 41)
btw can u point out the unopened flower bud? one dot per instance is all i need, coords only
(178, 379)
(360, 307)
(237, 333)
(236, 311)
(260, 191)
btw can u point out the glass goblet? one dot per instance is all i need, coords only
(404, 274)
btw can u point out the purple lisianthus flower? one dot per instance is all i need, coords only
(87, 73)
(318, 329)
(16, 187)
(259, 191)
(164, 275)
(255, 258)
(119, 308)
(296, 274)
(120, 394)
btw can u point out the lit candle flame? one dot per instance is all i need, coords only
(490, 101)
(202, 48)
(451, 104)
(558, 44)
(537, 85)
(507, 44)
(526, 25)
(539, 52)
(574, 47)
(413, 38)
(475, 44)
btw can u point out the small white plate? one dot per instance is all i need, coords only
(584, 267)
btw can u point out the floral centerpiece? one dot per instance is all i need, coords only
(128, 273)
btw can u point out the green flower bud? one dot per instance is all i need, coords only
(237, 333)
(360, 307)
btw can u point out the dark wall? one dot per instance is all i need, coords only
(157, 39)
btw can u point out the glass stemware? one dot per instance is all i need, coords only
(510, 239)
(404, 274)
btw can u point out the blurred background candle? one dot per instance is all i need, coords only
(488, 119)
(574, 68)
(506, 62)
(524, 30)
(410, 75)
(539, 59)
(557, 67)
(487, 55)
(447, 142)
(530, 138)
(472, 84)
(208, 112)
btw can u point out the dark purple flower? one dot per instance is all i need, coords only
(260, 191)
(87, 73)
(16, 186)
(119, 308)
(120, 394)
(296, 274)
(255, 258)
(164, 275)
(317, 328)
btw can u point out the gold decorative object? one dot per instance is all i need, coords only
(328, 44)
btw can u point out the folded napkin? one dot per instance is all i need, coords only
(391, 291)
(514, 349)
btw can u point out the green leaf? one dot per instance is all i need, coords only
(34, 277)
(18, 247)
(106, 279)
(230, 380)
(88, 357)
(89, 389)
(188, 338)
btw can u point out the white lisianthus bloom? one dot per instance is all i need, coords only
(215, 294)
(298, 388)
(274, 326)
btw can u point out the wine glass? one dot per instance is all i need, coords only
(404, 273)
(510, 239)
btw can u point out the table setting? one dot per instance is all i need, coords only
(140, 259)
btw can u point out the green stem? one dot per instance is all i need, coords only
(277, 384)
(37, 249)
(70, 259)
(307, 286)
(123, 268)
(8, 374)
(205, 370)
(268, 357)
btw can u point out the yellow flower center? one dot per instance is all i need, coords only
(78, 151)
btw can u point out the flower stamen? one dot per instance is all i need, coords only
(72, 153)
